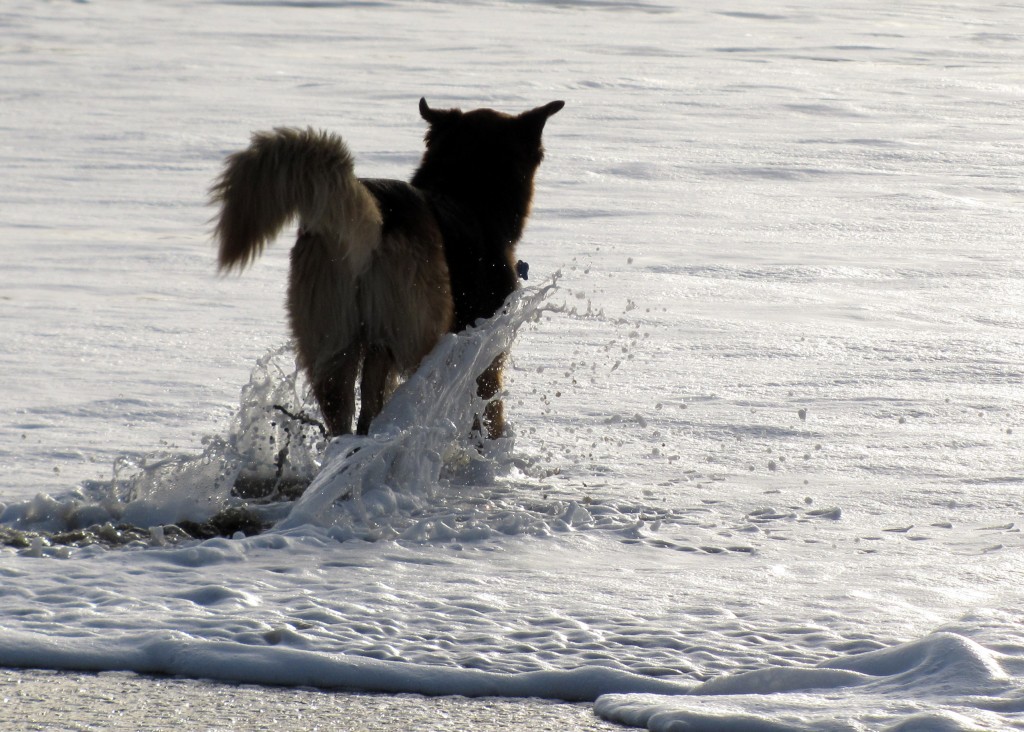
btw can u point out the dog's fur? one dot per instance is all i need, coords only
(382, 268)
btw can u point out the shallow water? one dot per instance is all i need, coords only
(765, 467)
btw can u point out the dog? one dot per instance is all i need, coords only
(381, 269)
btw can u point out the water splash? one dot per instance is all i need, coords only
(422, 431)
(276, 448)
(271, 451)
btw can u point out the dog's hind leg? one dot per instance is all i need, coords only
(488, 384)
(335, 390)
(379, 380)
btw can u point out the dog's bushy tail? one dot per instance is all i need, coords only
(292, 172)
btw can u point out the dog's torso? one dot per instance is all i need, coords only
(405, 301)
(481, 270)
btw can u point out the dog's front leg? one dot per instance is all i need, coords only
(488, 384)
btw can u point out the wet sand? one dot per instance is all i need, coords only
(48, 700)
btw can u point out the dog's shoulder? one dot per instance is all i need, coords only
(403, 207)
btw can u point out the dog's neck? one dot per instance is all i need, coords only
(498, 205)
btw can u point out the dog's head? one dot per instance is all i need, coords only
(487, 127)
(483, 147)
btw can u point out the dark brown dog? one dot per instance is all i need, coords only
(382, 268)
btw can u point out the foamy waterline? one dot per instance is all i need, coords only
(356, 484)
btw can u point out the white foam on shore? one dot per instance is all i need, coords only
(179, 654)
(941, 683)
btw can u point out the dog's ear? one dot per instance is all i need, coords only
(436, 116)
(535, 118)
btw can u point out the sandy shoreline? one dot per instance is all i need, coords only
(48, 700)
